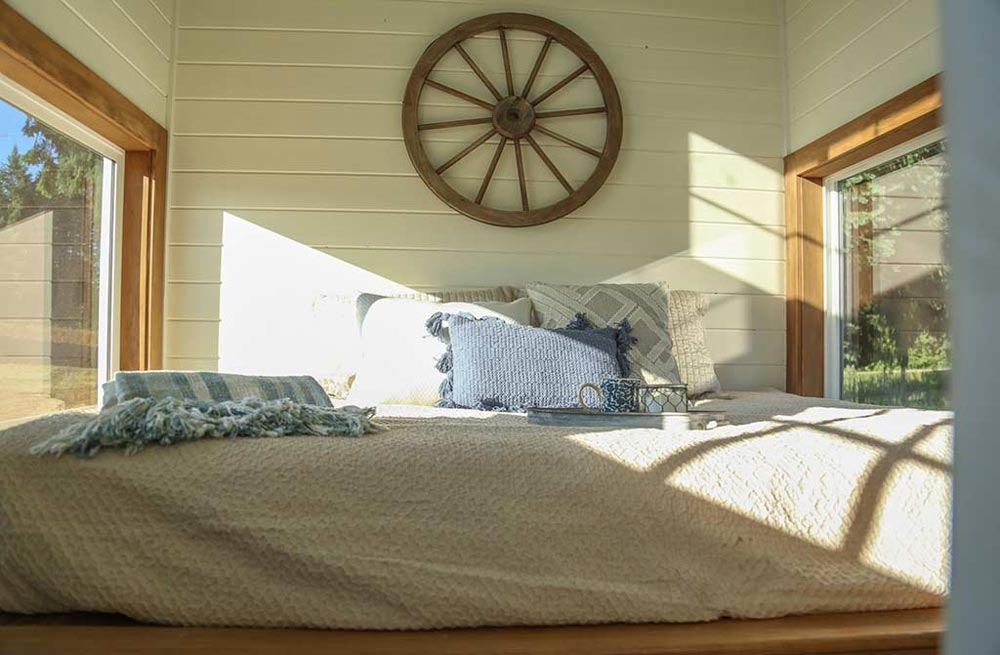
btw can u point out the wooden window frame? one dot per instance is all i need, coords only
(912, 113)
(36, 62)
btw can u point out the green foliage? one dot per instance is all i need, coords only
(930, 352)
(871, 342)
(17, 189)
(67, 170)
(880, 365)
(925, 389)
(54, 172)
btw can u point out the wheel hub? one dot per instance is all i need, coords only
(513, 117)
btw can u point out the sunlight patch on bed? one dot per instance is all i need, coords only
(637, 453)
(850, 424)
(802, 484)
(900, 540)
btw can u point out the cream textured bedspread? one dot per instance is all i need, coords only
(464, 518)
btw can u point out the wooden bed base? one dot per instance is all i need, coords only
(908, 632)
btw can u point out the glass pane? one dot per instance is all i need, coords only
(50, 223)
(896, 276)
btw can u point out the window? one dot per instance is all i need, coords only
(58, 204)
(887, 278)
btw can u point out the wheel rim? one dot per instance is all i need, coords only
(514, 115)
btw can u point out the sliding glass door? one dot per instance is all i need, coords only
(887, 278)
(58, 203)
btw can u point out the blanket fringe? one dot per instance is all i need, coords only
(139, 422)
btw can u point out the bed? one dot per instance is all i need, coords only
(461, 518)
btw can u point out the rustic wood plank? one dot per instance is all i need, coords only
(135, 215)
(478, 71)
(552, 90)
(492, 168)
(886, 633)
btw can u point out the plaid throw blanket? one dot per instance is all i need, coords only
(201, 385)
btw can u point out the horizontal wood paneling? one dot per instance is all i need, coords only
(348, 156)
(399, 51)
(446, 232)
(126, 42)
(441, 269)
(287, 123)
(232, 191)
(379, 85)
(199, 301)
(729, 347)
(166, 9)
(656, 27)
(346, 120)
(750, 376)
(25, 299)
(844, 58)
(804, 24)
(156, 27)
(844, 23)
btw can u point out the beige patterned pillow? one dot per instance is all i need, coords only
(687, 311)
(644, 306)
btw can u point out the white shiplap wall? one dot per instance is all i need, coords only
(844, 57)
(286, 121)
(127, 42)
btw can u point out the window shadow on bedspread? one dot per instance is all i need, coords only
(631, 519)
(868, 498)
(867, 526)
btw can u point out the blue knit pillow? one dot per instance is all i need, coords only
(495, 365)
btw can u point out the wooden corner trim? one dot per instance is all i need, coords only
(34, 60)
(916, 111)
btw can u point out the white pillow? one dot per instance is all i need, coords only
(399, 357)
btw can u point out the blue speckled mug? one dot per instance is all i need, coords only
(616, 394)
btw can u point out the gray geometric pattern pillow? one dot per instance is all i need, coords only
(644, 306)
(687, 327)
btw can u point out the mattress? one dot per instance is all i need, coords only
(463, 518)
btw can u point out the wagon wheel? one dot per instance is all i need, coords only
(515, 115)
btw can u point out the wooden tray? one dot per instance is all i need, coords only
(591, 418)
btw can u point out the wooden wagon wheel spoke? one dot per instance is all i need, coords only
(458, 94)
(571, 112)
(440, 125)
(520, 174)
(537, 67)
(513, 116)
(492, 168)
(464, 151)
(478, 71)
(560, 84)
(568, 141)
(506, 61)
(548, 162)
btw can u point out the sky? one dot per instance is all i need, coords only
(11, 122)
